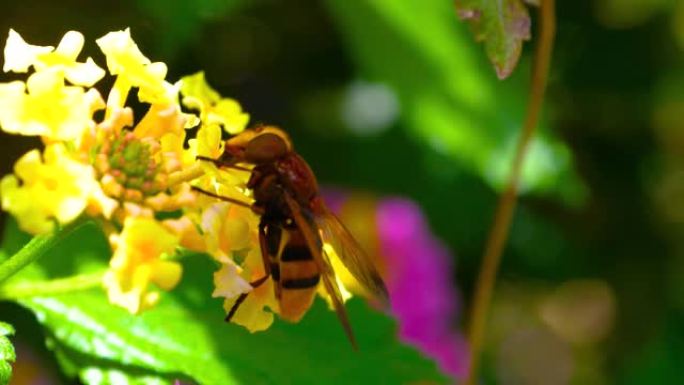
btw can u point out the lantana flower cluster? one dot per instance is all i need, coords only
(124, 166)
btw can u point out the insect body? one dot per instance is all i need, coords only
(294, 224)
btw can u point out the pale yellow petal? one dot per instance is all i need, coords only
(45, 82)
(166, 274)
(19, 55)
(84, 74)
(54, 188)
(255, 313)
(121, 51)
(228, 113)
(70, 45)
(228, 283)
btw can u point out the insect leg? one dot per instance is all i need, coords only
(256, 209)
(265, 257)
(243, 296)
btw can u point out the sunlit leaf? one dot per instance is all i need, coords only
(7, 354)
(185, 337)
(92, 370)
(502, 25)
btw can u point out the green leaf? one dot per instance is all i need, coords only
(185, 337)
(94, 371)
(7, 354)
(502, 25)
(449, 98)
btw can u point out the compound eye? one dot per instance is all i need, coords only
(265, 147)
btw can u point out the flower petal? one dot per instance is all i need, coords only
(84, 74)
(228, 283)
(19, 55)
(54, 187)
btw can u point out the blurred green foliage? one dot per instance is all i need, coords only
(449, 87)
(179, 23)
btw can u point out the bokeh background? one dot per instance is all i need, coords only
(392, 99)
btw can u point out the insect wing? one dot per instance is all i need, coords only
(325, 268)
(352, 255)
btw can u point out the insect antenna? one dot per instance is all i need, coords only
(222, 163)
(238, 202)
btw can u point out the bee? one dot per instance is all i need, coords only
(294, 225)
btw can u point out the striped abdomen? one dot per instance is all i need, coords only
(294, 272)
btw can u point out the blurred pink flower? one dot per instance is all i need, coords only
(418, 271)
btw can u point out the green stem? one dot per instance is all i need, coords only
(35, 249)
(507, 201)
(52, 287)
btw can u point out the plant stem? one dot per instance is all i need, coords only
(36, 248)
(504, 212)
(52, 287)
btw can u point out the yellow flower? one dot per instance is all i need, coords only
(19, 56)
(256, 312)
(228, 228)
(166, 125)
(138, 261)
(133, 69)
(228, 282)
(207, 142)
(213, 109)
(45, 106)
(135, 164)
(188, 233)
(125, 172)
(229, 231)
(56, 188)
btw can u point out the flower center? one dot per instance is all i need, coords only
(131, 163)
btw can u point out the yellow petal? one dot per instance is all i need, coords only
(19, 55)
(70, 45)
(45, 82)
(118, 94)
(197, 92)
(187, 231)
(84, 74)
(48, 108)
(209, 141)
(228, 283)
(166, 274)
(137, 262)
(130, 299)
(254, 313)
(160, 120)
(125, 60)
(228, 113)
(54, 188)
(214, 110)
(121, 51)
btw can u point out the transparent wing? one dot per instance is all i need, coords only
(352, 255)
(324, 267)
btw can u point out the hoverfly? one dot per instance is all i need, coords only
(294, 225)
